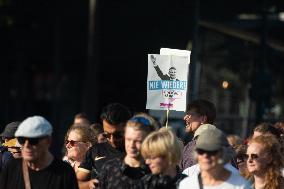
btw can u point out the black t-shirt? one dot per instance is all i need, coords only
(151, 181)
(58, 175)
(116, 174)
(96, 156)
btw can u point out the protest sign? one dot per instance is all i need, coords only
(167, 82)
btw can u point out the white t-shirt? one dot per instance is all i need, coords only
(195, 169)
(235, 181)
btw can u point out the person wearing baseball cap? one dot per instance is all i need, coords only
(212, 152)
(10, 147)
(38, 167)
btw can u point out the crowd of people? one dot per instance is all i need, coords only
(132, 151)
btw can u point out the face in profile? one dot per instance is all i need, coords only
(76, 147)
(114, 134)
(192, 121)
(172, 73)
(157, 165)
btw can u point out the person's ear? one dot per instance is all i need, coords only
(203, 119)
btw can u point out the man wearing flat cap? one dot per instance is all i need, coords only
(212, 153)
(37, 168)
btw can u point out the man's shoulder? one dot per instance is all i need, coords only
(189, 146)
(114, 162)
(101, 147)
(60, 165)
(104, 151)
(189, 181)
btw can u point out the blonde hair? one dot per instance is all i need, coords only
(162, 143)
(273, 176)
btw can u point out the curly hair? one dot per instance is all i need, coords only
(273, 176)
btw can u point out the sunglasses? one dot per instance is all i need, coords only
(72, 142)
(209, 153)
(251, 156)
(32, 141)
(116, 135)
(241, 158)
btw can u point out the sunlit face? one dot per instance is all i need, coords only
(13, 147)
(157, 165)
(208, 160)
(114, 134)
(172, 73)
(192, 121)
(133, 142)
(35, 153)
(16, 152)
(258, 160)
(76, 148)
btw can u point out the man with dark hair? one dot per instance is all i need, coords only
(199, 117)
(114, 117)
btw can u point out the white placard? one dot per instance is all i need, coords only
(167, 82)
(176, 52)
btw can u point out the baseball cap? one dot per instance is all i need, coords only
(34, 127)
(202, 128)
(211, 140)
(10, 129)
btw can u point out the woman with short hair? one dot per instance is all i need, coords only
(161, 151)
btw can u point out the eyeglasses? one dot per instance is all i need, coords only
(252, 156)
(32, 141)
(116, 135)
(209, 153)
(72, 142)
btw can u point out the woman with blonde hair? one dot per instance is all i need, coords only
(264, 162)
(161, 151)
(77, 142)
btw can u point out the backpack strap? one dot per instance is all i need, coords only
(26, 175)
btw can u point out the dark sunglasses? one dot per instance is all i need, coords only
(116, 135)
(72, 142)
(240, 158)
(252, 156)
(32, 141)
(209, 153)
